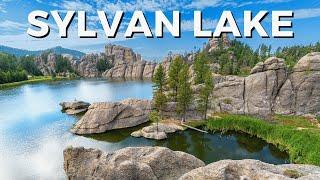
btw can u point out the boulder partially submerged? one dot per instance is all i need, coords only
(128, 163)
(74, 107)
(157, 133)
(252, 169)
(105, 116)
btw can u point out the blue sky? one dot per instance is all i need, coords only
(14, 23)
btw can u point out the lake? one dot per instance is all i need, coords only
(34, 132)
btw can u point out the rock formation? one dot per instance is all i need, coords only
(152, 132)
(105, 116)
(75, 107)
(162, 163)
(300, 93)
(270, 88)
(87, 65)
(46, 63)
(128, 163)
(252, 169)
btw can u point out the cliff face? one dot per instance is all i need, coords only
(46, 63)
(271, 89)
(127, 64)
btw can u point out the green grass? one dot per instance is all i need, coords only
(295, 121)
(37, 79)
(197, 123)
(302, 145)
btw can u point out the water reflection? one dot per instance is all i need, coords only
(34, 132)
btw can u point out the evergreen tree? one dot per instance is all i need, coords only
(154, 117)
(200, 68)
(103, 65)
(205, 92)
(159, 81)
(173, 76)
(184, 96)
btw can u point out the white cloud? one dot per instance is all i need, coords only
(201, 4)
(306, 13)
(262, 2)
(143, 5)
(2, 9)
(20, 40)
(188, 25)
(74, 5)
(11, 25)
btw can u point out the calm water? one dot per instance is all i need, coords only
(34, 132)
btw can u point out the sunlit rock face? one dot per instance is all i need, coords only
(128, 163)
(46, 63)
(105, 116)
(252, 169)
(87, 65)
(271, 89)
(301, 92)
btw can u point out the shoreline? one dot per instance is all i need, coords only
(38, 79)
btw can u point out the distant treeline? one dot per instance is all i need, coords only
(239, 58)
(14, 69)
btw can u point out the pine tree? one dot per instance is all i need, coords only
(184, 95)
(159, 81)
(205, 92)
(173, 76)
(200, 68)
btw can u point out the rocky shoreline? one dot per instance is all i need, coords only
(164, 164)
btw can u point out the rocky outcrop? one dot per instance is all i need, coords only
(271, 89)
(105, 116)
(87, 65)
(46, 63)
(300, 93)
(137, 70)
(252, 169)
(127, 64)
(162, 163)
(228, 94)
(158, 133)
(263, 85)
(74, 107)
(214, 43)
(128, 163)
(170, 111)
(119, 53)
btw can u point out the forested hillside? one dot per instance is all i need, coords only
(237, 58)
(21, 52)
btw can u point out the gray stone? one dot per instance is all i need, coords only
(152, 132)
(105, 116)
(301, 92)
(252, 169)
(129, 163)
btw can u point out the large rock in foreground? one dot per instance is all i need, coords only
(252, 169)
(128, 163)
(105, 116)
